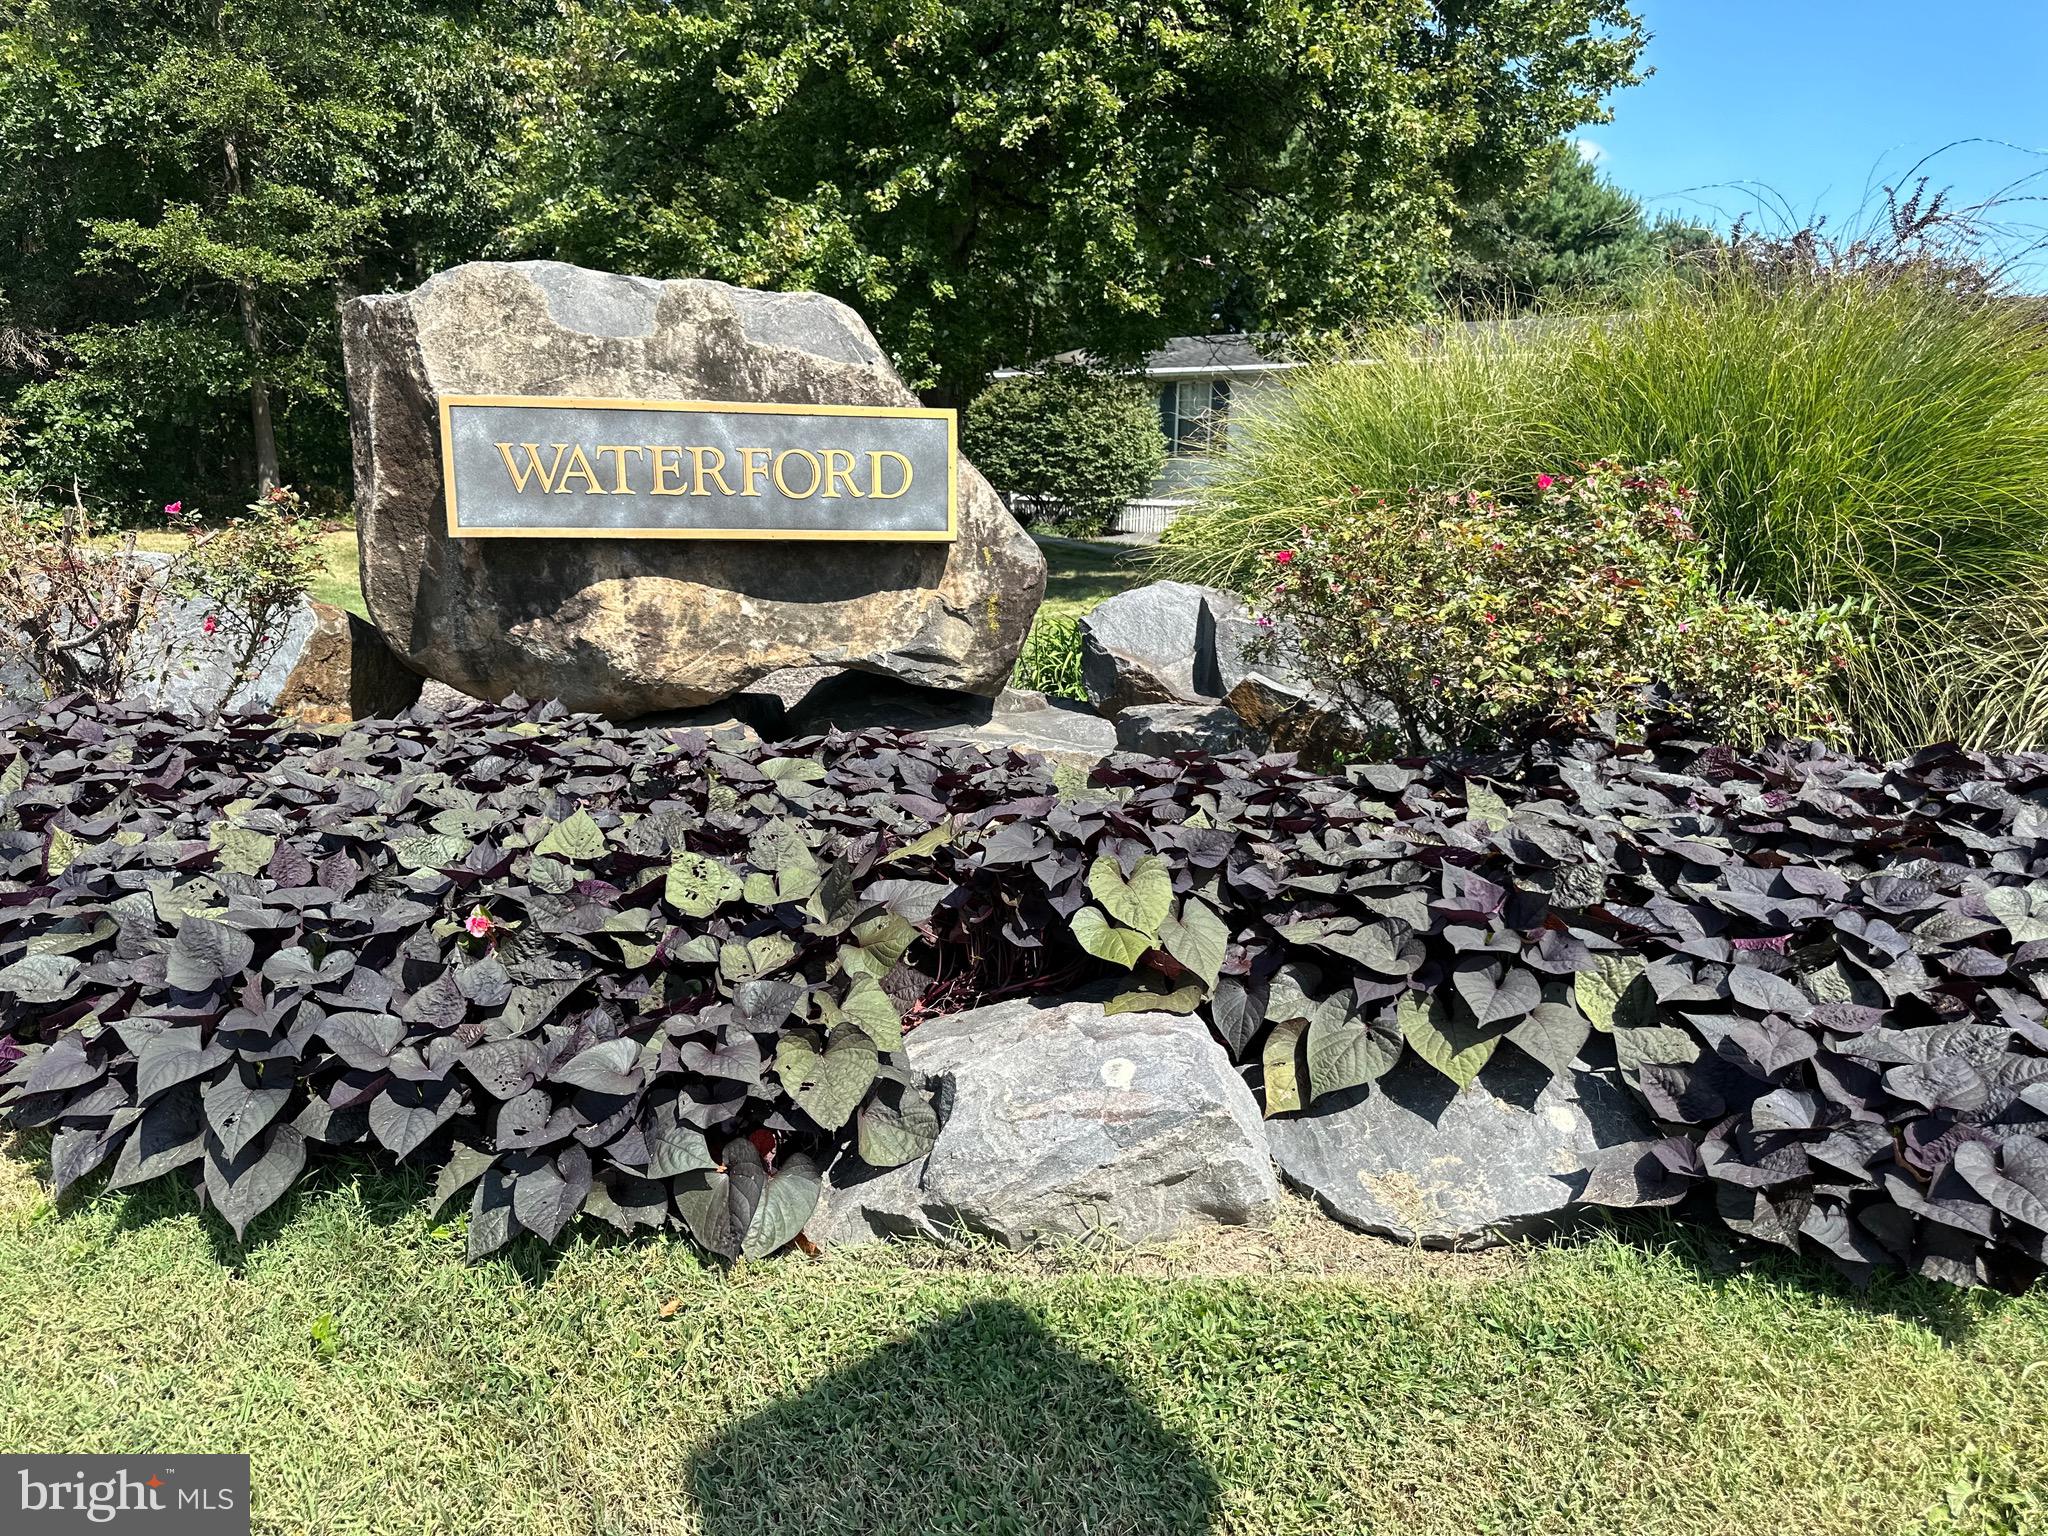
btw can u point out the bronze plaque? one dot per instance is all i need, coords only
(525, 466)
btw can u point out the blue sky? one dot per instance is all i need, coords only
(1806, 106)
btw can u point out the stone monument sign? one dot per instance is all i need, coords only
(637, 495)
(528, 466)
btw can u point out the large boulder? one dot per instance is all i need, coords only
(1061, 1120)
(1415, 1159)
(631, 626)
(1154, 644)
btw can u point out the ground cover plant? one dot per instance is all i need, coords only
(578, 970)
(1864, 423)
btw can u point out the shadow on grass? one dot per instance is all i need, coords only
(981, 1421)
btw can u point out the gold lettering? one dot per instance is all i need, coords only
(750, 471)
(578, 464)
(835, 473)
(817, 472)
(619, 452)
(533, 469)
(667, 461)
(875, 457)
(713, 471)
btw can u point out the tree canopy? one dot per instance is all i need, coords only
(1567, 235)
(189, 188)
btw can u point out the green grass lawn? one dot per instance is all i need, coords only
(1079, 574)
(337, 581)
(1301, 1380)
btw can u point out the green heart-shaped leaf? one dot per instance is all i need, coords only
(1141, 902)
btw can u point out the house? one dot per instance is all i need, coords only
(1201, 384)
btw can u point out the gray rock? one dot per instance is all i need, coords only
(1062, 1121)
(1416, 1160)
(323, 664)
(1030, 721)
(1243, 646)
(1163, 729)
(1154, 644)
(627, 627)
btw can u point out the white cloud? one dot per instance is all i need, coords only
(1589, 152)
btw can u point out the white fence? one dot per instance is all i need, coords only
(1144, 518)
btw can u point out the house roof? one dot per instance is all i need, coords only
(1227, 354)
(1242, 354)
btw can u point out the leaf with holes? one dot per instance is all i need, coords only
(827, 1084)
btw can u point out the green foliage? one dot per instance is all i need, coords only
(1001, 180)
(1476, 620)
(1050, 661)
(186, 191)
(1078, 443)
(1854, 435)
(1567, 236)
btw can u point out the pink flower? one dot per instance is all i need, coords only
(209, 625)
(1544, 482)
(173, 508)
(477, 926)
(1264, 622)
(1281, 557)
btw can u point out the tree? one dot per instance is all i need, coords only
(997, 181)
(1567, 236)
(190, 188)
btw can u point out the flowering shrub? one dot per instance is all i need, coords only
(70, 608)
(74, 604)
(1465, 619)
(252, 574)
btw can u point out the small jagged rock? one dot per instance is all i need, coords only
(1153, 644)
(1160, 730)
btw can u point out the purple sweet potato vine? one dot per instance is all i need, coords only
(646, 978)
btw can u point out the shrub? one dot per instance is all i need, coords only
(70, 609)
(253, 574)
(1050, 661)
(640, 977)
(1873, 430)
(72, 605)
(1075, 442)
(1472, 619)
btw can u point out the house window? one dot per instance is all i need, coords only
(1192, 414)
